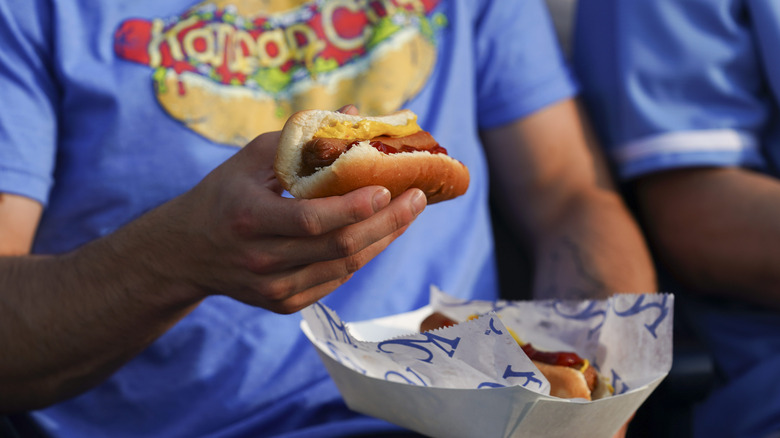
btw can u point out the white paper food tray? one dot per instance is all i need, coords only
(406, 396)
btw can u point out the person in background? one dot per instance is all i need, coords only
(685, 96)
(152, 266)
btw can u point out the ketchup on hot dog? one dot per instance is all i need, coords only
(562, 358)
(383, 147)
(323, 151)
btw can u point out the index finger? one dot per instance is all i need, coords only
(313, 217)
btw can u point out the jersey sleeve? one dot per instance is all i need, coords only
(28, 119)
(520, 67)
(671, 83)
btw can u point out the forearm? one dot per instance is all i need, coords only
(69, 321)
(591, 248)
(716, 231)
(554, 188)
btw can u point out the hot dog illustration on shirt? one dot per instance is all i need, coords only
(230, 69)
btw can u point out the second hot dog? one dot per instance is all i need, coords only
(570, 375)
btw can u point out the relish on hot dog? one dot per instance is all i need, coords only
(570, 375)
(325, 153)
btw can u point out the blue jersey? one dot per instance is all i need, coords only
(696, 83)
(677, 84)
(121, 105)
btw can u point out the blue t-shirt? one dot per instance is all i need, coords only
(677, 84)
(112, 108)
(674, 84)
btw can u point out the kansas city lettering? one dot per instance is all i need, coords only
(231, 49)
(219, 44)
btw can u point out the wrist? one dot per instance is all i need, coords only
(147, 256)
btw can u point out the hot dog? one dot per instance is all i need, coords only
(326, 153)
(570, 376)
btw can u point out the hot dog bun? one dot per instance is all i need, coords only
(566, 382)
(439, 176)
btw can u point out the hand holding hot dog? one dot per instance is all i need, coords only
(245, 240)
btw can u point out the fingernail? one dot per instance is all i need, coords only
(418, 202)
(381, 199)
(346, 108)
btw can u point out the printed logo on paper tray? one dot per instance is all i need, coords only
(431, 358)
(232, 69)
(413, 347)
(636, 323)
(594, 311)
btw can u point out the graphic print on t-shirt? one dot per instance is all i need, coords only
(232, 69)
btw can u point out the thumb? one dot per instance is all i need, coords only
(260, 153)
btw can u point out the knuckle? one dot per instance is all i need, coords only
(345, 244)
(352, 264)
(402, 218)
(309, 221)
(277, 292)
(260, 263)
(398, 218)
(242, 223)
(359, 211)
